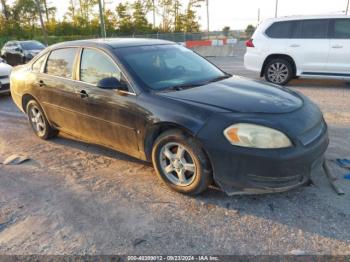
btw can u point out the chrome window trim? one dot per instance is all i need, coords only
(78, 81)
(109, 57)
(77, 69)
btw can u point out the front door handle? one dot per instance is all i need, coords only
(83, 94)
(294, 45)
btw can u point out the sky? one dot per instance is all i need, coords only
(237, 14)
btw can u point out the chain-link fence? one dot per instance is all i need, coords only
(175, 37)
(183, 36)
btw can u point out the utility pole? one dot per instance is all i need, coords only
(38, 7)
(154, 14)
(258, 15)
(102, 20)
(176, 11)
(5, 10)
(208, 28)
(276, 10)
(347, 8)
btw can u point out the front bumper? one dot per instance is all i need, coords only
(252, 171)
(239, 170)
(4, 85)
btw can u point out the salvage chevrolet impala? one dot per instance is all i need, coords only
(161, 102)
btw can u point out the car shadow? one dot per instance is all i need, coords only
(319, 83)
(68, 141)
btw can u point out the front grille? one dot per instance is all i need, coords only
(4, 87)
(275, 182)
(311, 135)
(4, 77)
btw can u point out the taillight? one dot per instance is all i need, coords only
(249, 43)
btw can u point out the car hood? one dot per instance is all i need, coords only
(238, 94)
(5, 69)
(34, 51)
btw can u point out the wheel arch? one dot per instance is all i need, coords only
(155, 130)
(25, 100)
(278, 56)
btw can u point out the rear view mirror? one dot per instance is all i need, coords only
(112, 83)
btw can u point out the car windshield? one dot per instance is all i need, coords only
(161, 67)
(32, 45)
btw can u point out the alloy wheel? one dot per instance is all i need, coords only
(278, 73)
(177, 164)
(37, 120)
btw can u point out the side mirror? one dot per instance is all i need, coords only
(112, 83)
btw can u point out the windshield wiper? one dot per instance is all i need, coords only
(219, 78)
(182, 86)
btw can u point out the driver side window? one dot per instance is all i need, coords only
(95, 66)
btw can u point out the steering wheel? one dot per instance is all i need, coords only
(178, 70)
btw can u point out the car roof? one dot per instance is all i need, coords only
(113, 42)
(306, 17)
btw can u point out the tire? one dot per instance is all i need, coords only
(192, 180)
(38, 121)
(278, 71)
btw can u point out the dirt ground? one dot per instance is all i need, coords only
(76, 198)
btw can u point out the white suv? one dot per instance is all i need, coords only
(291, 47)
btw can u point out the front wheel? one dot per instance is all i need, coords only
(181, 163)
(38, 121)
(278, 71)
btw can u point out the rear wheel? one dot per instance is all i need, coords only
(38, 121)
(278, 71)
(181, 163)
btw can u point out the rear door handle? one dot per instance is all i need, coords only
(337, 46)
(83, 94)
(42, 83)
(294, 45)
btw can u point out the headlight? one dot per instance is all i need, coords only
(255, 136)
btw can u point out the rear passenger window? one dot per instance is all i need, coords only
(341, 28)
(281, 29)
(314, 29)
(38, 64)
(60, 62)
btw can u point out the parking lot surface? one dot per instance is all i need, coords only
(77, 198)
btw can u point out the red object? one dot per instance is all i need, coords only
(249, 43)
(191, 44)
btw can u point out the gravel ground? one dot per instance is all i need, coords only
(76, 198)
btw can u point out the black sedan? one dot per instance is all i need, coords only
(20, 52)
(161, 102)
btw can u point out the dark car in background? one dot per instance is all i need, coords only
(20, 52)
(161, 102)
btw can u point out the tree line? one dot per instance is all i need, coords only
(21, 18)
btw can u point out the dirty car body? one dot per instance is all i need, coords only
(213, 112)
